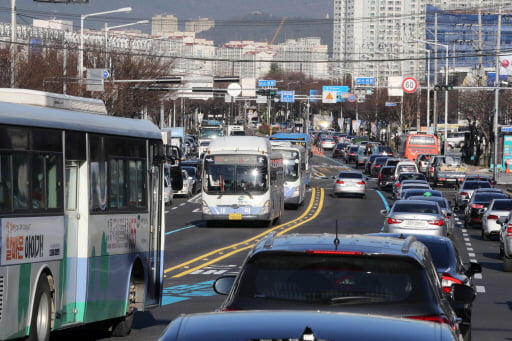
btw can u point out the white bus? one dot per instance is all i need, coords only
(295, 172)
(81, 215)
(242, 180)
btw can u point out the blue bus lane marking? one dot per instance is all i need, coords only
(185, 292)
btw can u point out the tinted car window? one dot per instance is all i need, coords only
(439, 254)
(502, 205)
(488, 197)
(330, 279)
(350, 175)
(411, 176)
(388, 170)
(476, 184)
(415, 208)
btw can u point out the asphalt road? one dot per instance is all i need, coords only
(196, 255)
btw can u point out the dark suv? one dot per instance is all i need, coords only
(386, 176)
(345, 273)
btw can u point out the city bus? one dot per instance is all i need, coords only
(81, 215)
(243, 180)
(420, 144)
(294, 161)
(299, 139)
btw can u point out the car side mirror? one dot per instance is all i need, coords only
(474, 268)
(223, 285)
(502, 220)
(383, 212)
(462, 294)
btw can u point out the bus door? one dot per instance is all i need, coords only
(156, 207)
(74, 272)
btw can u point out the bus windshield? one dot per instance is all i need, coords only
(235, 174)
(291, 165)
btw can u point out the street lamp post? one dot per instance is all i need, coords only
(82, 18)
(108, 28)
(447, 47)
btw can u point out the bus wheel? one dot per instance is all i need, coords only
(40, 323)
(123, 326)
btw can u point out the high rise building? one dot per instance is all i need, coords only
(372, 38)
(163, 25)
(199, 25)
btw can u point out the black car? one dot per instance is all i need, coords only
(369, 162)
(386, 176)
(342, 273)
(352, 154)
(301, 325)
(377, 164)
(477, 206)
(451, 270)
(338, 151)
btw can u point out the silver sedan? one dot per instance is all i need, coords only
(350, 182)
(415, 216)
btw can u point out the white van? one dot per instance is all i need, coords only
(405, 167)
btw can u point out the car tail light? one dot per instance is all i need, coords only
(361, 183)
(394, 221)
(380, 176)
(334, 252)
(431, 318)
(463, 193)
(492, 217)
(461, 180)
(397, 184)
(441, 179)
(509, 230)
(447, 281)
(477, 206)
(229, 309)
(340, 182)
(351, 153)
(431, 169)
(437, 222)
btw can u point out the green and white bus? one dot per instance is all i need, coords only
(81, 215)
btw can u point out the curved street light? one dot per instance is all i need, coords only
(108, 28)
(82, 18)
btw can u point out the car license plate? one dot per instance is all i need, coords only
(235, 216)
(415, 222)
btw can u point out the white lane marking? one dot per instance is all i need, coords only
(480, 289)
(196, 210)
(477, 276)
(471, 254)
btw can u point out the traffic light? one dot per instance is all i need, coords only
(443, 87)
(267, 92)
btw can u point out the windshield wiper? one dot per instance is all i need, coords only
(355, 299)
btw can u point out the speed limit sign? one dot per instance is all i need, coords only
(410, 85)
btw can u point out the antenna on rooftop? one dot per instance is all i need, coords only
(336, 240)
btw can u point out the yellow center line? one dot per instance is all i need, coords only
(306, 212)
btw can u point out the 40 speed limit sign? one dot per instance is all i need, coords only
(410, 85)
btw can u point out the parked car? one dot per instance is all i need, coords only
(385, 177)
(350, 182)
(465, 191)
(497, 208)
(449, 217)
(477, 205)
(342, 273)
(302, 325)
(415, 216)
(506, 241)
(451, 270)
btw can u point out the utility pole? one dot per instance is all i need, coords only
(435, 75)
(14, 46)
(497, 96)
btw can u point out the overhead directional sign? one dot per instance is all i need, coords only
(287, 96)
(365, 81)
(333, 93)
(262, 83)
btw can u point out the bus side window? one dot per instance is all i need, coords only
(21, 186)
(5, 183)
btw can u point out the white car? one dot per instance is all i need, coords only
(497, 208)
(168, 192)
(188, 185)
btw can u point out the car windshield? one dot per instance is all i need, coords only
(406, 207)
(332, 279)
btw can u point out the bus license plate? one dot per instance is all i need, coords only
(235, 216)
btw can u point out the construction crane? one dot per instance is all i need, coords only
(276, 33)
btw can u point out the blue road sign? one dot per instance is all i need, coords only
(365, 81)
(287, 96)
(266, 83)
(338, 89)
(106, 74)
(390, 104)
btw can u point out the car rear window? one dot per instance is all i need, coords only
(350, 175)
(476, 184)
(330, 280)
(411, 192)
(387, 170)
(406, 207)
(440, 254)
(406, 168)
(411, 176)
(488, 197)
(502, 205)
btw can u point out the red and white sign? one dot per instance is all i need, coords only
(410, 85)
